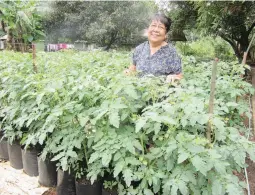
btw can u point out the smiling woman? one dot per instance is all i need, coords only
(156, 56)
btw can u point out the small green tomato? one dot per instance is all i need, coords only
(160, 138)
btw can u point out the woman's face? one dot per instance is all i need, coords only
(156, 32)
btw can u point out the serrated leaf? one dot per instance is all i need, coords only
(106, 159)
(128, 176)
(57, 157)
(130, 91)
(93, 157)
(132, 161)
(130, 147)
(174, 190)
(182, 157)
(216, 187)
(137, 145)
(232, 189)
(98, 136)
(42, 138)
(83, 120)
(114, 119)
(139, 124)
(169, 164)
(148, 192)
(71, 154)
(218, 123)
(199, 164)
(118, 168)
(183, 187)
(117, 156)
(195, 148)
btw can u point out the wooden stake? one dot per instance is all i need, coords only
(34, 58)
(211, 101)
(252, 82)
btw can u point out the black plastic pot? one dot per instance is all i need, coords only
(47, 173)
(65, 183)
(85, 187)
(30, 164)
(15, 156)
(109, 192)
(4, 155)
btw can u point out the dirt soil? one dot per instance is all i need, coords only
(16, 182)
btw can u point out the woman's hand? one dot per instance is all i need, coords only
(172, 77)
(131, 69)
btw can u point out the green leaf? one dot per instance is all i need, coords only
(182, 157)
(170, 164)
(232, 189)
(71, 154)
(128, 176)
(148, 192)
(130, 91)
(139, 124)
(118, 168)
(42, 138)
(57, 157)
(98, 136)
(183, 187)
(117, 156)
(199, 164)
(83, 120)
(114, 119)
(216, 187)
(93, 157)
(106, 159)
(137, 145)
(130, 147)
(174, 190)
(195, 148)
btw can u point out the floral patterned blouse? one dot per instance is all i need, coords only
(164, 62)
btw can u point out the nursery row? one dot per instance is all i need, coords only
(135, 135)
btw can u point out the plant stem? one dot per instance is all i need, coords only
(86, 155)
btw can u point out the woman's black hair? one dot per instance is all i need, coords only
(163, 19)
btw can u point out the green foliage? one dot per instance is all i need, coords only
(104, 23)
(21, 21)
(207, 48)
(148, 135)
(233, 21)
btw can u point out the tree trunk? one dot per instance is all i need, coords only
(113, 39)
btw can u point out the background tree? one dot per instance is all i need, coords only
(104, 23)
(20, 20)
(233, 21)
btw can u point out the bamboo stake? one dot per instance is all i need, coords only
(211, 101)
(34, 58)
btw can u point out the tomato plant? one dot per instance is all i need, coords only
(148, 134)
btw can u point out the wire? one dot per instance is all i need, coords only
(245, 170)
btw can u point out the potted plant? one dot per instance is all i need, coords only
(65, 183)
(47, 171)
(109, 187)
(3, 147)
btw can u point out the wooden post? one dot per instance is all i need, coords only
(34, 58)
(252, 82)
(211, 101)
